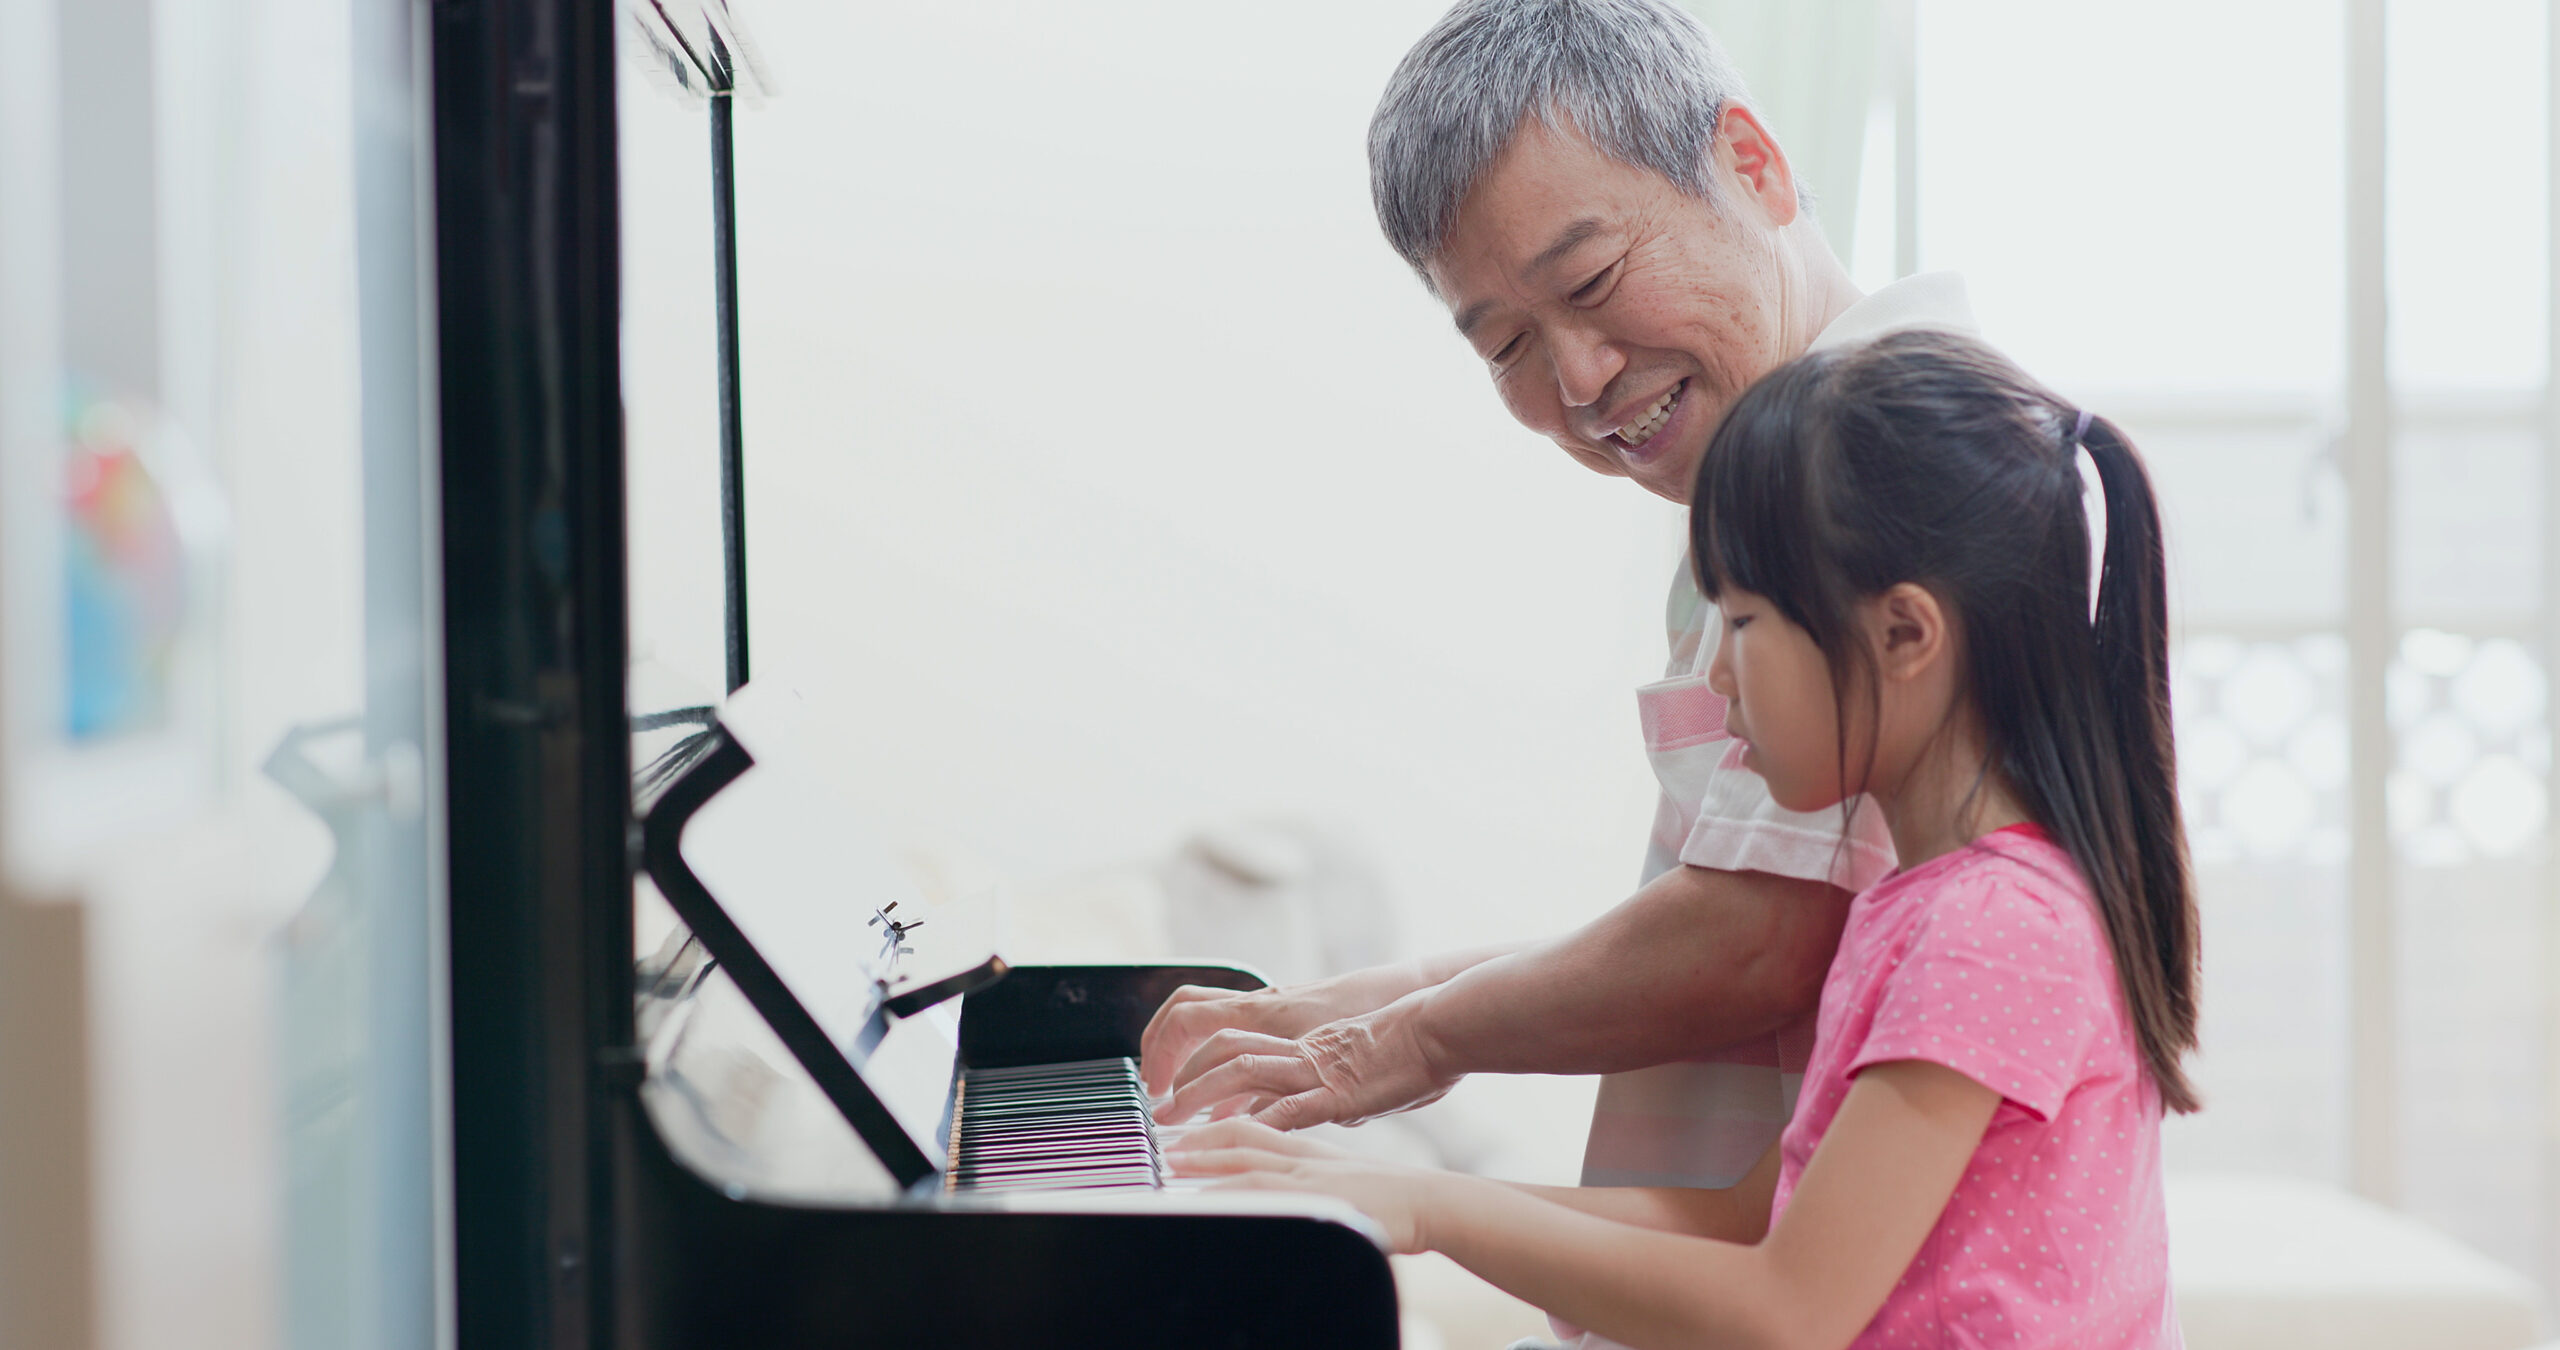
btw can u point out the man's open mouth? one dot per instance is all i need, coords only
(1649, 423)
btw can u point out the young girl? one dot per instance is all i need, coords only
(1896, 535)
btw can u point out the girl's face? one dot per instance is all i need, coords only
(1782, 708)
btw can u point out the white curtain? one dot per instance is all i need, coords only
(1814, 71)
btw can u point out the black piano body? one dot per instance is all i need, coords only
(573, 1222)
(704, 1268)
(918, 1257)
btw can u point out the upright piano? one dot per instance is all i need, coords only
(773, 1128)
(843, 1145)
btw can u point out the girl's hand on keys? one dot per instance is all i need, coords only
(1244, 1155)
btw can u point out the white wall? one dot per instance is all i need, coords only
(1108, 475)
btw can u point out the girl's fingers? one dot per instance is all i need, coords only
(1253, 1181)
(1243, 1132)
(1214, 1162)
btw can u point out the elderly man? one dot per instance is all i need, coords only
(1623, 242)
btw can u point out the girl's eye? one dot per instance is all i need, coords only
(1593, 289)
(1736, 620)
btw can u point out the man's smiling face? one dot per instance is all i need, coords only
(1620, 316)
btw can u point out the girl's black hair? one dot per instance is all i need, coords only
(1926, 457)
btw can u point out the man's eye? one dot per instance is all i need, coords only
(1509, 349)
(1591, 290)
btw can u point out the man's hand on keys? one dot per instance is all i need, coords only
(1341, 1072)
(1195, 1013)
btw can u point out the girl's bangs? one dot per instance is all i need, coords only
(1751, 521)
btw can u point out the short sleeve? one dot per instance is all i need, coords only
(2001, 985)
(1720, 813)
(1740, 828)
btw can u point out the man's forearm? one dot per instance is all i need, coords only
(1378, 986)
(1696, 960)
(1446, 966)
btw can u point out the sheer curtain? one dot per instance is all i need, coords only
(1815, 76)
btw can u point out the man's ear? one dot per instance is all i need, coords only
(1746, 150)
(1908, 627)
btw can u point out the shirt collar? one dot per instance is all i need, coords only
(1927, 300)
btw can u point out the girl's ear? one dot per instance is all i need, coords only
(1908, 629)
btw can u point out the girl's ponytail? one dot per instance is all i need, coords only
(2156, 940)
(1925, 456)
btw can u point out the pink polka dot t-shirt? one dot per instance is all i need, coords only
(1991, 960)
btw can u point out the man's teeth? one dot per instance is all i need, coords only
(1642, 429)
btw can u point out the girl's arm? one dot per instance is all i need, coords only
(1738, 1213)
(1868, 1198)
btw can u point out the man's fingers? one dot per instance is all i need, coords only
(1225, 1046)
(1246, 1082)
(1300, 1110)
(1237, 1106)
(1244, 1107)
(1174, 1032)
(1246, 1076)
(1174, 1036)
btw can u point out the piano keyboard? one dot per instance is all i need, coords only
(1050, 1127)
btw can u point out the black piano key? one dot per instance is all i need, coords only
(1120, 1148)
(1100, 1069)
(1059, 1129)
(1039, 1110)
(1057, 1175)
(1051, 1167)
(1080, 1125)
(1038, 1157)
(1062, 1144)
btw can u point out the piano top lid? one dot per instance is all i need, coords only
(697, 50)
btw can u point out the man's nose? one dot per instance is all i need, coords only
(1585, 364)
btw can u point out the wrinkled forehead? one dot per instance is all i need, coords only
(1548, 190)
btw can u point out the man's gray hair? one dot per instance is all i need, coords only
(1640, 79)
